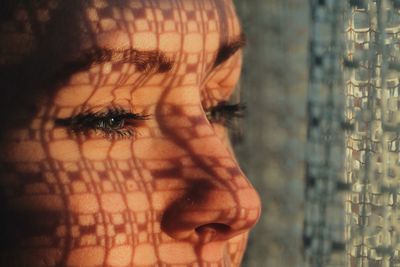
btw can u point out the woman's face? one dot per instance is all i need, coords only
(126, 160)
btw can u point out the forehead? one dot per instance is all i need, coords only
(188, 26)
(167, 25)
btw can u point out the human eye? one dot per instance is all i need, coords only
(113, 123)
(225, 113)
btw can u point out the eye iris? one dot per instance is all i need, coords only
(115, 123)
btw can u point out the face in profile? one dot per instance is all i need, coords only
(114, 150)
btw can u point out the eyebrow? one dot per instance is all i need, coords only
(145, 61)
(227, 50)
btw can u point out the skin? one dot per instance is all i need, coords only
(172, 194)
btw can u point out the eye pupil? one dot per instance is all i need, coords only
(116, 123)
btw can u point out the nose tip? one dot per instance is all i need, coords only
(210, 213)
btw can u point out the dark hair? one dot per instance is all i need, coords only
(25, 80)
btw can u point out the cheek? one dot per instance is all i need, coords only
(22, 151)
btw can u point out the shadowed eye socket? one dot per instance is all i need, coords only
(112, 123)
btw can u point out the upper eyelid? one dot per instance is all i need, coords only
(105, 112)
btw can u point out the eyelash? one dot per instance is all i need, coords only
(118, 123)
(225, 113)
(112, 123)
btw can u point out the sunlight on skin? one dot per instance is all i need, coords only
(172, 194)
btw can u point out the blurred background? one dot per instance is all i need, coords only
(274, 87)
(321, 135)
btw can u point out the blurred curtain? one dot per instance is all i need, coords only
(321, 141)
(274, 86)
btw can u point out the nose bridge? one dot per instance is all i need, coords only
(217, 205)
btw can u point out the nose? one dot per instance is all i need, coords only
(217, 205)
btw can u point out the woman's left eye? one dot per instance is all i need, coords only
(112, 123)
(225, 113)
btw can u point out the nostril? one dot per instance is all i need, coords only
(208, 232)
